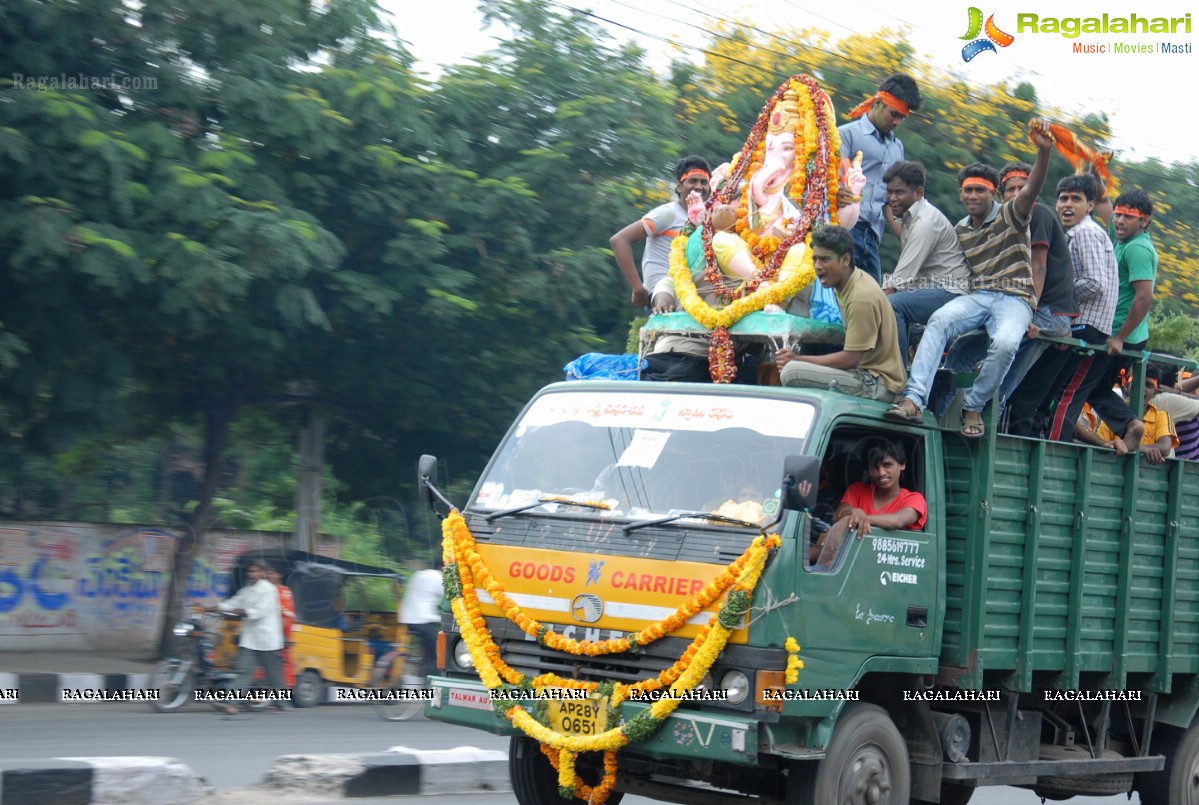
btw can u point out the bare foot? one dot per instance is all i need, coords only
(1133, 434)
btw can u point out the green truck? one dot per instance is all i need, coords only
(1040, 630)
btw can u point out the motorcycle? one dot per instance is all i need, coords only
(195, 669)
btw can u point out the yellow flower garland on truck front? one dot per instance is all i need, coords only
(463, 567)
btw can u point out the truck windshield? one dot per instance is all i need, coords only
(647, 454)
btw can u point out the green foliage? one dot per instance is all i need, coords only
(291, 207)
(1174, 334)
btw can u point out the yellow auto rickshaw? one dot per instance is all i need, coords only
(345, 618)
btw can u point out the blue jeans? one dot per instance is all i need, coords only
(967, 351)
(1006, 319)
(865, 251)
(916, 307)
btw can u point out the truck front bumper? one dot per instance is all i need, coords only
(686, 733)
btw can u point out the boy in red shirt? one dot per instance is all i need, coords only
(882, 502)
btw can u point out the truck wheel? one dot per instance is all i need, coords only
(1095, 785)
(309, 690)
(950, 795)
(534, 781)
(866, 764)
(1178, 782)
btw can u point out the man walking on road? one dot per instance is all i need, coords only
(261, 641)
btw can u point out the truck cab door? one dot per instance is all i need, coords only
(878, 596)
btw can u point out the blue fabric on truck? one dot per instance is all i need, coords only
(598, 366)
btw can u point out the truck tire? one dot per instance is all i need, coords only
(1094, 785)
(866, 763)
(1178, 782)
(534, 781)
(950, 795)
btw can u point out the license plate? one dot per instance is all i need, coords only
(578, 716)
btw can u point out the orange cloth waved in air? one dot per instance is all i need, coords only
(1082, 156)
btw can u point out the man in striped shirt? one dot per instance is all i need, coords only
(995, 241)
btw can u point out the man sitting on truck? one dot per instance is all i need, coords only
(882, 502)
(1156, 432)
(931, 270)
(1173, 398)
(1136, 267)
(869, 365)
(658, 228)
(995, 240)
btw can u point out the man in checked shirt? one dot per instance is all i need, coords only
(1096, 286)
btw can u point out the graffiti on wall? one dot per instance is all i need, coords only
(79, 586)
(60, 582)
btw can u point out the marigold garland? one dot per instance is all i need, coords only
(722, 356)
(812, 187)
(727, 316)
(464, 567)
(794, 663)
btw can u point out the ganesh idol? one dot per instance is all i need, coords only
(766, 215)
(749, 251)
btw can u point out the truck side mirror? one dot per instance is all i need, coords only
(426, 474)
(801, 478)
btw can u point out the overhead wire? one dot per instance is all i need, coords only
(725, 37)
(931, 68)
(1077, 111)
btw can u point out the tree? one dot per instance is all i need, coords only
(157, 263)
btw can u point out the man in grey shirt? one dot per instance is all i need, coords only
(932, 269)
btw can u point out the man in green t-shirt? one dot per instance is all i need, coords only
(869, 364)
(1136, 265)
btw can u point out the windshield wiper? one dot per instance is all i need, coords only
(718, 518)
(490, 518)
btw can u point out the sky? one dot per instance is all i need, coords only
(1149, 98)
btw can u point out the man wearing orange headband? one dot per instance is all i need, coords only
(871, 130)
(1136, 267)
(995, 241)
(1053, 280)
(1093, 263)
(658, 228)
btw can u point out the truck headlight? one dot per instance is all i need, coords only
(736, 686)
(183, 629)
(462, 655)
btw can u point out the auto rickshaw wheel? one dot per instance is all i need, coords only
(309, 690)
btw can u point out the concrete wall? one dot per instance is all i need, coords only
(100, 587)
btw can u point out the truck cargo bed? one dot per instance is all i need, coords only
(1068, 559)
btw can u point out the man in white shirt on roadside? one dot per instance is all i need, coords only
(261, 639)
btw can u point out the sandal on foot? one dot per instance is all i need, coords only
(904, 411)
(973, 429)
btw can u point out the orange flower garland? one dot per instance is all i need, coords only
(812, 187)
(462, 563)
(464, 553)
